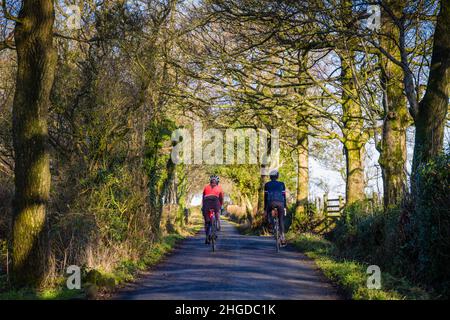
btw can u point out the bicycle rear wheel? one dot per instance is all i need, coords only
(213, 235)
(218, 225)
(277, 235)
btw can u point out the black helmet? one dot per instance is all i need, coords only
(214, 177)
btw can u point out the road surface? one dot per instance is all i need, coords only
(242, 268)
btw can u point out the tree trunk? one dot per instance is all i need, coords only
(302, 178)
(431, 116)
(248, 209)
(396, 119)
(263, 179)
(354, 189)
(36, 59)
(265, 166)
(353, 135)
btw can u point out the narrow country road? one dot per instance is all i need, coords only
(242, 268)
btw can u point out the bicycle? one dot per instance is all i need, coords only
(212, 229)
(276, 228)
(218, 227)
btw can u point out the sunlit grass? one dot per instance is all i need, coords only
(56, 293)
(350, 276)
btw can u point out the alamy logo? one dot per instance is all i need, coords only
(73, 13)
(374, 280)
(74, 279)
(374, 20)
(208, 147)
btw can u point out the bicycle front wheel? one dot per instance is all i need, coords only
(277, 235)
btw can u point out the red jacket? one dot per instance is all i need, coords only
(216, 191)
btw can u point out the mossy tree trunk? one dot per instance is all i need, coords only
(263, 179)
(396, 118)
(354, 137)
(432, 110)
(36, 59)
(302, 191)
(265, 167)
(167, 193)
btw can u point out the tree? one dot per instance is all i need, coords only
(36, 60)
(396, 118)
(302, 192)
(354, 137)
(431, 112)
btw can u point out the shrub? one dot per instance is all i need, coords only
(431, 221)
(411, 241)
(351, 275)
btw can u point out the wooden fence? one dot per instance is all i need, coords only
(330, 209)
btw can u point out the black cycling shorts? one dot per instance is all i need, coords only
(209, 203)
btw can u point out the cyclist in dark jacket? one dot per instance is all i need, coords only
(275, 197)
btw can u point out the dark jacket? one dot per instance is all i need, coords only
(274, 191)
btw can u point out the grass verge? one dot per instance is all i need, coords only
(97, 283)
(350, 276)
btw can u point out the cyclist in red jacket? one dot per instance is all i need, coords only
(212, 199)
